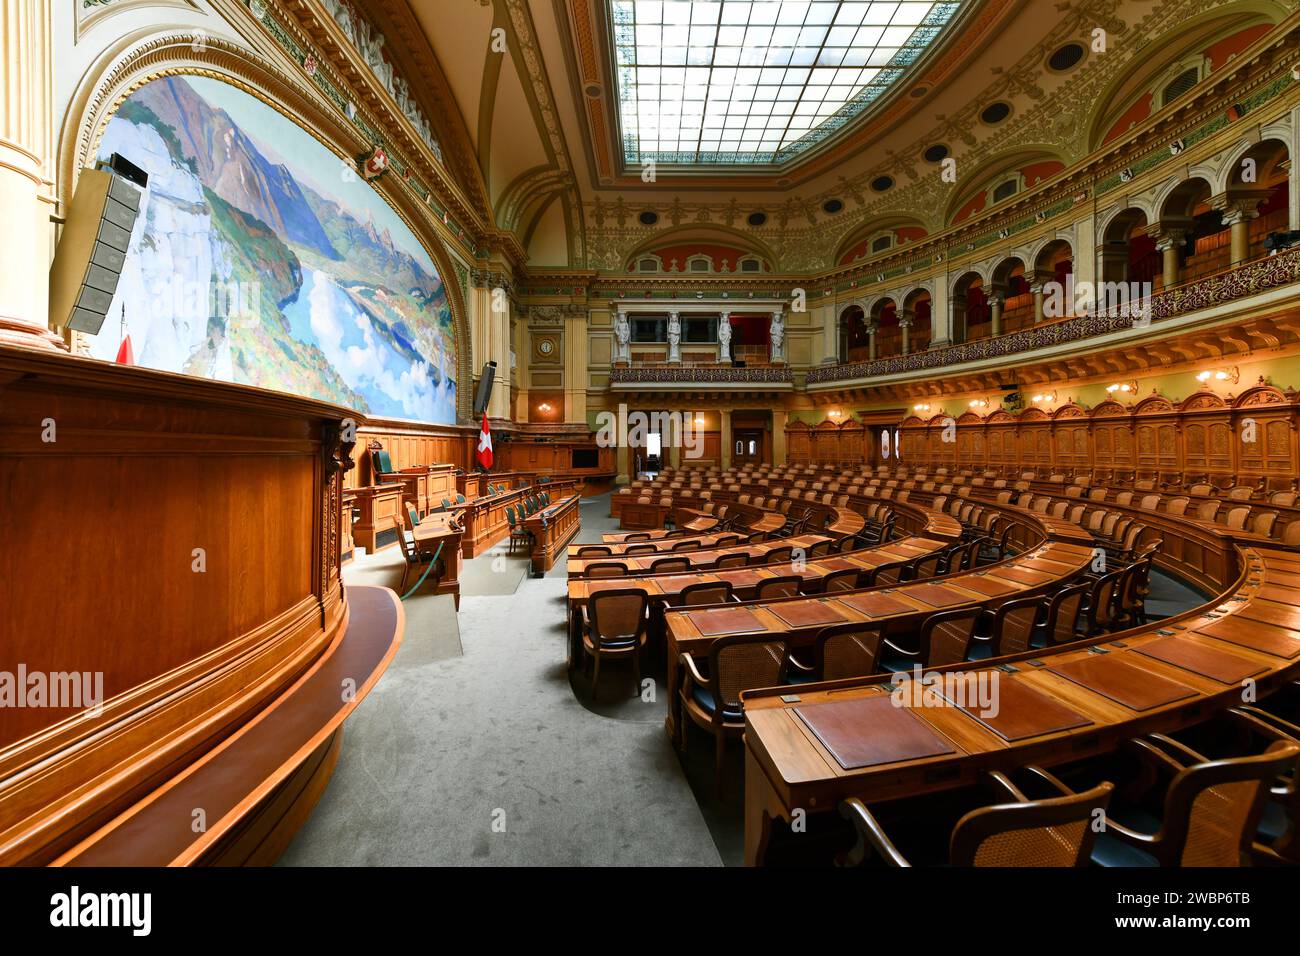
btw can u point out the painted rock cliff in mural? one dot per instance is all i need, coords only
(261, 258)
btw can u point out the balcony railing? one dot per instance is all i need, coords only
(1246, 280)
(697, 374)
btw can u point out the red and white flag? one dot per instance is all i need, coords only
(485, 445)
(126, 354)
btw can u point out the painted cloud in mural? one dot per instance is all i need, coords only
(261, 259)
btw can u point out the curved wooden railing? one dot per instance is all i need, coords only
(176, 541)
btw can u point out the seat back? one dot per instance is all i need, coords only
(633, 549)
(1101, 602)
(1207, 510)
(1236, 518)
(705, 592)
(1263, 522)
(851, 649)
(1013, 625)
(888, 574)
(606, 569)
(1212, 809)
(779, 555)
(1054, 832)
(782, 587)
(617, 616)
(1063, 614)
(595, 551)
(946, 636)
(845, 579)
(732, 561)
(744, 662)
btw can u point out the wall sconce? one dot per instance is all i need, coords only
(923, 407)
(834, 413)
(979, 403)
(544, 407)
(1219, 375)
(1122, 388)
(699, 419)
(1046, 398)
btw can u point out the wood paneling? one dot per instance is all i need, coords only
(1249, 440)
(176, 537)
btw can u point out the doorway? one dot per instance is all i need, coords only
(749, 446)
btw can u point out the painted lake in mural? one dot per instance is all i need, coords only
(261, 258)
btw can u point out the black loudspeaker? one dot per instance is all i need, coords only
(484, 393)
(92, 249)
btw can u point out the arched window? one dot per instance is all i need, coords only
(1179, 85)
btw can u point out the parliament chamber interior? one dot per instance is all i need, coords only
(692, 433)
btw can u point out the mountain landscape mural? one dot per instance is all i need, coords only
(289, 274)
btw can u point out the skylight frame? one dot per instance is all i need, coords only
(717, 132)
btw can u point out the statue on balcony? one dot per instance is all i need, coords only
(674, 338)
(622, 339)
(777, 333)
(724, 337)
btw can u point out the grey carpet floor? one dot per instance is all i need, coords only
(473, 748)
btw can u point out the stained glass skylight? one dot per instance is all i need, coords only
(746, 82)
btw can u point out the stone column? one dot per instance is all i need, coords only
(1238, 208)
(1168, 240)
(673, 440)
(905, 323)
(940, 314)
(871, 341)
(779, 420)
(575, 367)
(996, 302)
(621, 463)
(1037, 290)
(26, 184)
(726, 450)
(957, 323)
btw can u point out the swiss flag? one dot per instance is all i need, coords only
(485, 445)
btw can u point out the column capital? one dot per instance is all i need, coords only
(1238, 205)
(872, 328)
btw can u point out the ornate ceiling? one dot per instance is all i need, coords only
(528, 110)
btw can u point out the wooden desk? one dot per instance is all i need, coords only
(379, 506)
(641, 563)
(637, 515)
(485, 518)
(1051, 565)
(443, 527)
(1134, 689)
(552, 529)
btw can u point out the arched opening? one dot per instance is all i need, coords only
(1193, 237)
(1011, 302)
(916, 306)
(1129, 252)
(854, 341)
(1259, 187)
(971, 317)
(1054, 264)
(884, 316)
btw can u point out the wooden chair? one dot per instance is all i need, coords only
(737, 663)
(1052, 831)
(786, 586)
(614, 627)
(1060, 624)
(1236, 518)
(1100, 609)
(944, 638)
(1208, 815)
(1010, 628)
(1278, 838)
(606, 569)
(780, 555)
(594, 551)
(704, 592)
(886, 574)
(634, 549)
(669, 565)
(732, 561)
(417, 557)
(845, 579)
(851, 649)
(518, 533)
